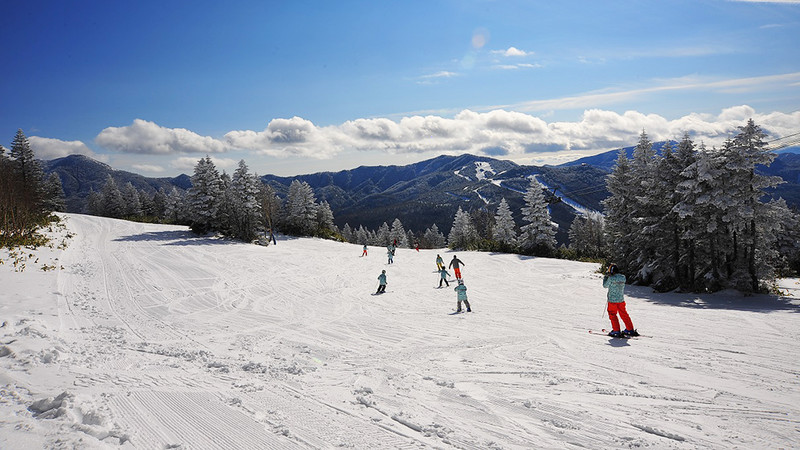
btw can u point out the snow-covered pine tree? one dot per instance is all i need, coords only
(538, 236)
(176, 209)
(244, 207)
(159, 203)
(411, 238)
(747, 152)
(205, 197)
(132, 207)
(347, 234)
(148, 207)
(433, 238)
(382, 236)
(112, 203)
(463, 235)
(504, 230)
(587, 235)
(94, 203)
(620, 213)
(398, 234)
(301, 209)
(325, 224)
(362, 236)
(54, 194)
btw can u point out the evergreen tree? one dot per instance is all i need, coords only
(176, 209)
(362, 237)
(382, 236)
(504, 230)
(587, 235)
(148, 207)
(325, 221)
(348, 235)
(27, 165)
(433, 238)
(398, 234)
(204, 198)
(54, 194)
(620, 213)
(244, 208)
(160, 204)
(112, 203)
(132, 207)
(463, 235)
(94, 203)
(271, 207)
(301, 209)
(539, 234)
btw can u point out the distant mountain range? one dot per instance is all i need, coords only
(424, 193)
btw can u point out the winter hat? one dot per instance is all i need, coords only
(612, 269)
(383, 271)
(461, 282)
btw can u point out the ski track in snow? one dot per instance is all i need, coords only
(158, 338)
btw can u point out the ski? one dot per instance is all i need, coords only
(605, 333)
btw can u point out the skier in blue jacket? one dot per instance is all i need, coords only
(444, 275)
(381, 282)
(615, 282)
(461, 290)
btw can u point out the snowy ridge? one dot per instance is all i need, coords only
(147, 336)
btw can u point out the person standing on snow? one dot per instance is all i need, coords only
(461, 290)
(455, 264)
(444, 275)
(381, 282)
(439, 262)
(615, 282)
(390, 254)
(364, 253)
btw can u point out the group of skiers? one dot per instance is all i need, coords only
(612, 280)
(455, 264)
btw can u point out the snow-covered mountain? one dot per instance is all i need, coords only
(147, 336)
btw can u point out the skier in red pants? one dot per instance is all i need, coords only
(615, 282)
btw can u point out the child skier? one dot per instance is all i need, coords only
(381, 282)
(455, 265)
(461, 290)
(615, 282)
(364, 253)
(439, 262)
(390, 254)
(444, 274)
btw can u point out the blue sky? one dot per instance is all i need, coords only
(305, 86)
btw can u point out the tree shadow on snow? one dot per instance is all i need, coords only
(186, 237)
(731, 300)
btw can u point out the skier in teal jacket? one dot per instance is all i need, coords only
(443, 273)
(615, 282)
(381, 282)
(461, 290)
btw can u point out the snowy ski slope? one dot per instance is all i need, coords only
(146, 336)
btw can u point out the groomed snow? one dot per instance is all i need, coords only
(146, 336)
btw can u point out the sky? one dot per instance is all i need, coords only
(300, 87)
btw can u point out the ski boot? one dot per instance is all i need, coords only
(632, 333)
(616, 334)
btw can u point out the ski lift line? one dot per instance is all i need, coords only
(784, 137)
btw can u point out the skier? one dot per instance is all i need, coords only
(439, 262)
(461, 290)
(390, 254)
(272, 237)
(364, 253)
(444, 275)
(381, 282)
(615, 282)
(391, 248)
(455, 265)
(416, 246)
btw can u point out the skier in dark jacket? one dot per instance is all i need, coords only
(455, 264)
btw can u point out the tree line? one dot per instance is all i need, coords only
(694, 219)
(27, 197)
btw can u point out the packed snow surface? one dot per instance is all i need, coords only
(147, 336)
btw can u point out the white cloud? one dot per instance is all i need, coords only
(441, 74)
(145, 137)
(512, 52)
(47, 148)
(499, 132)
